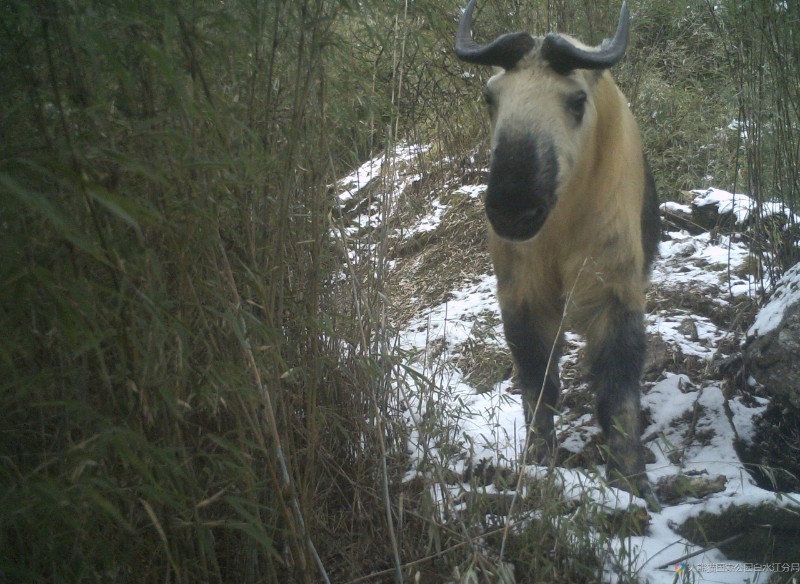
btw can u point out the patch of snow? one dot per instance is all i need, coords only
(429, 222)
(700, 263)
(787, 293)
(740, 205)
(372, 169)
(713, 454)
(669, 324)
(676, 208)
(579, 486)
(578, 434)
(743, 416)
(472, 191)
(452, 320)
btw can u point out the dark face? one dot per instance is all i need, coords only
(539, 127)
(522, 186)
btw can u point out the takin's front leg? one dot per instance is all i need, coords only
(616, 345)
(532, 337)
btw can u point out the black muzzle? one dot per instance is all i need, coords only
(522, 188)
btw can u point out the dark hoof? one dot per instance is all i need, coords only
(638, 486)
(539, 452)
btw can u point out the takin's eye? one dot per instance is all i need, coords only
(576, 104)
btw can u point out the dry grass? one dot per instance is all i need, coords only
(198, 378)
(430, 264)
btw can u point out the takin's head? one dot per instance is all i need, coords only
(543, 114)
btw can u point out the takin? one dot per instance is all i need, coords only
(573, 228)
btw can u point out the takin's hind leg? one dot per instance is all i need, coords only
(616, 358)
(533, 341)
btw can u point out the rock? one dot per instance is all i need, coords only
(771, 457)
(773, 342)
(715, 209)
(660, 356)
(678, 217)
(766, 533)
(688, 328)
(674, 489)
(708, 217)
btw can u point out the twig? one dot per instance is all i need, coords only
(700, 551)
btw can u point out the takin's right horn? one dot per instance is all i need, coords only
(564, 57)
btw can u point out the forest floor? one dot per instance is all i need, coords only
(457, 390)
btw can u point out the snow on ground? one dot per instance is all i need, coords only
(697, 261)
(379, 167)
(492, 420)
(392, 173)
(490, 425)
(741, 206)
(787, 293)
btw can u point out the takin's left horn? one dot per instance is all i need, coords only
(505, 51)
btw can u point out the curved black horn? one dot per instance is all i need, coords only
(564, 57)
(505, 51)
